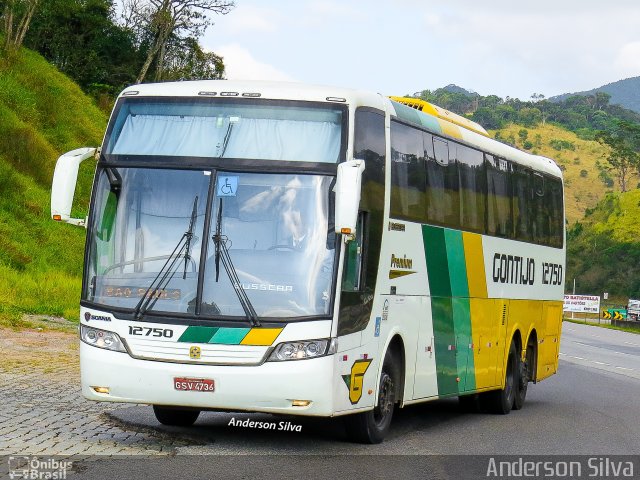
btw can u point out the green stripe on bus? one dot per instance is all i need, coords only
(448, 283)
(198, 334)
(444, 339)
(464, 340)
(229, 336)
(437, 265)
(457, 264)
(441, 309)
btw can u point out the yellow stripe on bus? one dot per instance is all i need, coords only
(475, 265)
(261, 336)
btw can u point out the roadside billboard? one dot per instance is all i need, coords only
(582, 303)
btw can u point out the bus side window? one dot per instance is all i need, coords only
(407, 173)
(540, 207)
(472, 189)
(443, 197)
(499, 221)
(352, 274)
(554, 197)
(522, 203)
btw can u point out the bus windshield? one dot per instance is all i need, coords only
(223, 128)
(275, 227)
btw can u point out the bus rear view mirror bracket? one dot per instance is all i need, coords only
(63, 186)
(347, 190)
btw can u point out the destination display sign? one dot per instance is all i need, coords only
(582, 303)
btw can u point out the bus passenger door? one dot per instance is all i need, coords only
(426, 380)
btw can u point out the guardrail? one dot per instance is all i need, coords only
(626, 324)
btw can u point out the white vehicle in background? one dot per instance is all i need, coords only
(316, 251)
(633, 310)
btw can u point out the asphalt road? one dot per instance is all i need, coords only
(590, 407)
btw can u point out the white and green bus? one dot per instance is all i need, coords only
(306, 250)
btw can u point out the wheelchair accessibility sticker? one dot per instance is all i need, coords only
(227, 186)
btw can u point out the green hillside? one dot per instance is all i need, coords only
(42, 114)
(603, 251)
(575, 156)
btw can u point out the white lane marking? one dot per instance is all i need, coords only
(634, 344)
(572, 356)
(596, 362)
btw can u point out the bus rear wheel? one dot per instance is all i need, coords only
(176, 417)
(525, 374)
(501, 401)
(373, 426)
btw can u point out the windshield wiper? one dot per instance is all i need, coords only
(189, 234)
(168, 270)
(227, 135)
(222, 252)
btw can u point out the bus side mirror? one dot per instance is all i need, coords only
(63, 187)
(347, 190)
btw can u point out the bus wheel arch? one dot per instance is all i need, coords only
(501, 401)
(373, 425)
(397, 351)
(531, 355)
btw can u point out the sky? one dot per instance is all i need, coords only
(396, 47)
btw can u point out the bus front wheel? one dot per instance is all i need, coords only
(373, 426)
(175, 416)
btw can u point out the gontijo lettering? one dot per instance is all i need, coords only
(513, 269)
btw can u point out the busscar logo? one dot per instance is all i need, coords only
(195, 352)
(88, 316)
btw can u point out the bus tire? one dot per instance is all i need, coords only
(469, 403)
(372, 426)
(525, 374)
(501, 401)
(175, 416)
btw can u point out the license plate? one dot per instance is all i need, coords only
(194, 384)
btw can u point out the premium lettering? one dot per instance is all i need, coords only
(404, 262)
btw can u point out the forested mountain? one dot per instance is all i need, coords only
(625, 93)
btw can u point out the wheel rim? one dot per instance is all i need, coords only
(386, 400)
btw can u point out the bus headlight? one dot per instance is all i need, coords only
(304, 349)
(101, 339)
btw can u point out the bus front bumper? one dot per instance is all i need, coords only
(271, 387)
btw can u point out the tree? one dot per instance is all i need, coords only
(81, 38)
(529, 117)
(187, 61)
(162, 21)
(624, 156)
(16, 16)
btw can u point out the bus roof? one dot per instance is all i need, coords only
(437, 123)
